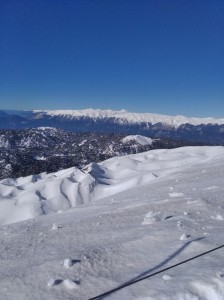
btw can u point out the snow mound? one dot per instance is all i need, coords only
(32, 196)
(84, 252)
(140, 139)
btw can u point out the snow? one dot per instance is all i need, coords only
(32, 196)
(67, 263)
(3, 142)
(123, 116)
(140, 139)
(47, 128)
(134, 224)
(40, 158)
(69, 284)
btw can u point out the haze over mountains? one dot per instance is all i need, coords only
(205, 130)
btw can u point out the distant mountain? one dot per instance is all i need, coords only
(204, 130)
(32, 151)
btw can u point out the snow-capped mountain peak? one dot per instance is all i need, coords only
(131, 117)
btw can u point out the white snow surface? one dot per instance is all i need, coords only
(140, 139)
(142, 213)
(123, 116)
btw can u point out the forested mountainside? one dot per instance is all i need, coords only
(32, 151)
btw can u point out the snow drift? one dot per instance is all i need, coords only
(162, 207)
(32, 196)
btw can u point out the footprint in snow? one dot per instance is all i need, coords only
(69, 284)
(54, 282)
(68, 262)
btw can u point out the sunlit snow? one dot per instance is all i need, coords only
(87, 231)
(142, 140)
(125, 116)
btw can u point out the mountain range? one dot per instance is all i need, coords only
(209, 131)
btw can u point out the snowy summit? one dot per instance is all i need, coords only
(129, 117)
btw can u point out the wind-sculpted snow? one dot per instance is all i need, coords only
(161, 207)
(32, 196)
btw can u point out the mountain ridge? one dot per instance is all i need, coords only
(211, 132)
(132, 117)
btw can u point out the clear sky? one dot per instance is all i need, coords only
(158, 56)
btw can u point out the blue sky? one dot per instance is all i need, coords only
(161, 56)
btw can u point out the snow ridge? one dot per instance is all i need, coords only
(86, 251)
(123, 116)
(35, 195)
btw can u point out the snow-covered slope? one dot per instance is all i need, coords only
(139, 139)
(125, 116)
(171, 208)
(35, 195)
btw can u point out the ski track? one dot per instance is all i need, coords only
(87, 250)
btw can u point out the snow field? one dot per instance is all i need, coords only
(32, 196)
(82, 252)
